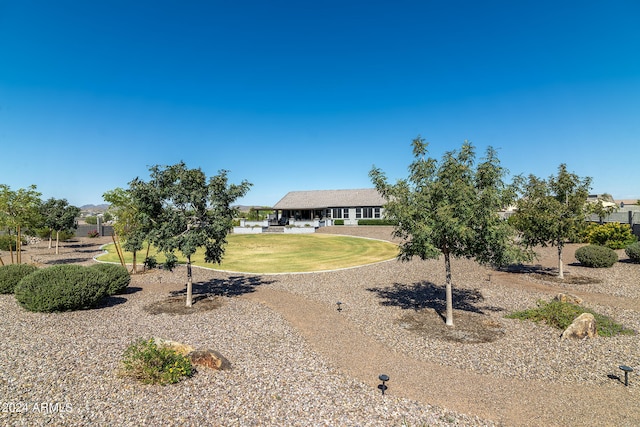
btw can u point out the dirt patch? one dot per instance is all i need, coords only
(569, 279)
(469, 328)
(176, 305)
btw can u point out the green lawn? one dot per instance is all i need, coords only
(280, 253)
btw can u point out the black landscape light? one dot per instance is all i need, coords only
(626, 370)
(339, 304)
(384, 378)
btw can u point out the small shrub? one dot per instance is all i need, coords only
(561, 314)
(613, 235)
(150, 262)
(8, 242)
(145, 361)
(376, 222)
(64, 235)
(171, 260)
(596, 256)
(633, 252)
(93, 234)
(61, 288)
(338, 222)
(11, 274)
(117, 277)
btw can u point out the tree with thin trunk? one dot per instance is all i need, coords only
(58, 216)
(132, 225)
(451, 209)
(552, 211)
(195, 212)
(19, 210)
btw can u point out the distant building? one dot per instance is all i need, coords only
(347, 205)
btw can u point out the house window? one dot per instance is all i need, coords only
(345, 213)
(337, 213)
(358, 213)
(376, 212)
(368, 212)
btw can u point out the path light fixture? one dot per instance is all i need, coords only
(384, 378)
(339, 304)
(626, 369)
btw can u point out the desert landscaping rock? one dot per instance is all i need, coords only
(583, 326)
(288, 369)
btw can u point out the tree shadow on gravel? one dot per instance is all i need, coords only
(548, 274)
(206, 295)
(66, 260)
(422, 295)
(427, 302)
(231, 287)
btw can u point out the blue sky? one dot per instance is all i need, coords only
(297, 95)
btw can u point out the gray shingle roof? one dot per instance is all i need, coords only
(319, 199)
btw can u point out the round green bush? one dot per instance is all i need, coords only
(117, 277)
(596, 256)
(61, 288)
(11, 274)
(633, 251)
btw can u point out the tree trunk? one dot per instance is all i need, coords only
(449, 296)
(135, 264)
(11, 250)
(18, 247)
(146, 257)
(189, 283)
(50, 239)
(57, 242)
(560, 266)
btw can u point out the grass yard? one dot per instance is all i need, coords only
(282, 253)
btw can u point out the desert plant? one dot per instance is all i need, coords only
(150, 262)
(596, 256)
(613, 235)
(633, 252)
(61, 288)
(117, 277)
(560, 315)
(8, 242)
(145, 361)
(11, 274)
(171, 260)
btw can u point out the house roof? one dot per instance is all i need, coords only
(320, 199)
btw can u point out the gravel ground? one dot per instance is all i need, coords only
(68, 361)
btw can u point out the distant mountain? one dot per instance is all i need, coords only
(247, 208)
(95, 208)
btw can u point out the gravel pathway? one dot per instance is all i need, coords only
(297, 361)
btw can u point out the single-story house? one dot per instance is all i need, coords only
(347, 205)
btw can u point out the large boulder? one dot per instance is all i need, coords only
(209, 358)
(178, 347)
(583, 326)
(198, 357)
(571, 299)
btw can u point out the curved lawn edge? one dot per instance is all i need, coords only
(384, 256)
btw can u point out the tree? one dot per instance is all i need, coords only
(603, 206)
(58, 216)
(451, 209)
(187, 212)
(551, 212)
(130, 225)
(19, 210)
